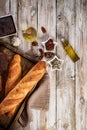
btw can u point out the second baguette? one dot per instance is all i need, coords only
(17, 95)
(14, 76)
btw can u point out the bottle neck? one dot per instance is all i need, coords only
(64, 42)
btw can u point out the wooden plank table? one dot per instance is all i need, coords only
(68, 96)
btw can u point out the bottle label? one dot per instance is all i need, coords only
(71, 52)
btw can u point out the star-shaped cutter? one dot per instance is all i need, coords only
(44, 45)
(56, 63)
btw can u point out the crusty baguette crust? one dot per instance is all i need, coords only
(14, 73)
(16, 95)
(14, 76)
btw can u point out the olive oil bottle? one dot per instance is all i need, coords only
(69, 50)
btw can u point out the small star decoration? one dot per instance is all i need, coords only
(56, 63)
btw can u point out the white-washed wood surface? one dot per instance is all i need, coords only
(81, 78)
(68, 88)
(66, 83)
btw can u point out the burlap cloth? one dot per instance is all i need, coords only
(38, 100)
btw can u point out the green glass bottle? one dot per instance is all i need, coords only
(69, 49)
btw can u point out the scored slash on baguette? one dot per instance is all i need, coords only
(26, 84)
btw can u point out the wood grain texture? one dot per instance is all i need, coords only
(27, 16)
(47, 18)
(67, 18)
(4, 7)
(65, 82)
(81, 71)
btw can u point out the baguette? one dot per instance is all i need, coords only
(26, 84)
(14, 76)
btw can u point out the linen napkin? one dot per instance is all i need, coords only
(38, 100)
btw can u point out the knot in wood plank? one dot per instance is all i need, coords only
(82, 100)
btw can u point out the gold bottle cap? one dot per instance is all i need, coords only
(62, 39)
